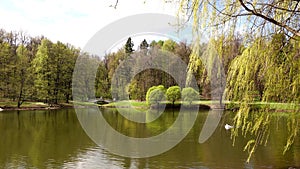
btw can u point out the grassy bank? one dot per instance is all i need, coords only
(279, 107)
(31, 105)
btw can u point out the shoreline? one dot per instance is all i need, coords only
(7, 106)
(10, 108)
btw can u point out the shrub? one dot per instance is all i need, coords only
(189, 94)
(156, 95)
(173, 93)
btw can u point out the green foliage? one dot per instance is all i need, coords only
(102, 82)
(53, 66)
(22, 73)
(189, 95)
(173, 93)
(6, 70)
(268, 75)
(43, 71)
(224, 17)
(169, 45)
(157, 95)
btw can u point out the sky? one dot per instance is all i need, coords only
(72, 21)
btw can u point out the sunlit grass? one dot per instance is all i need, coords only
(25, 104)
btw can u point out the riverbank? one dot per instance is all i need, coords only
(11, 105)
(144, 106)
(207, 104)
(204, 104)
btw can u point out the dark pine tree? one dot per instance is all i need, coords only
(129, 46)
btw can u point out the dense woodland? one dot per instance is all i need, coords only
(34, 68)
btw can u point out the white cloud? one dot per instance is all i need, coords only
(72, 21)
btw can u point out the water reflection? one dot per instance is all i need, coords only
(55, 139)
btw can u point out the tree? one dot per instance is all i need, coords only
(67, 61)
(53, 68)
(144, 45)
(156, 96)
(270, 70)
(22, 73)
(173, 93)
(84, 74)
(148, 95)
(102, 81)
(42, 71)
(169, 45)
(6, 67)
(129, 46)
(263, 16)
(189, 95)
(183, 50)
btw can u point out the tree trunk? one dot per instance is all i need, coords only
(20, 100)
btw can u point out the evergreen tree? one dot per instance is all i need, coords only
(129, 46)
(144, 45)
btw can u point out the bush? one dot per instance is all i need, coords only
(173, 93)
(189, 94)
(156, 95)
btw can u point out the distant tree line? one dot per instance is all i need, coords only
(34, 68)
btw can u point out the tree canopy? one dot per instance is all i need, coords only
(173, 93)
(189, 95)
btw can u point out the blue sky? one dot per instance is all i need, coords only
(72, 21)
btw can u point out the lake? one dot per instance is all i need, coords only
(55, 139)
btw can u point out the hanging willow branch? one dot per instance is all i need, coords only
(274, 16)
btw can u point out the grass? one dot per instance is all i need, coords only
(28, 104)
(142, 105)
(83, 103)
(25, 104)
(135, 104)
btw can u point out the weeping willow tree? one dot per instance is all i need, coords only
(269, 72)
(267, 69)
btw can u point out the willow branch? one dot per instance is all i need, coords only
(270, 19)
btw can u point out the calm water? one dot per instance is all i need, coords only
(55, 139)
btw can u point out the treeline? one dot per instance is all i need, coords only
(34, 68)
(142, 81)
